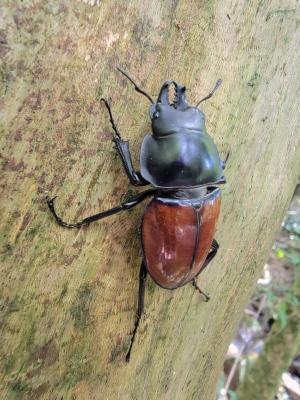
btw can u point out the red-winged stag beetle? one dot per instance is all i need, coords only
(182, 164)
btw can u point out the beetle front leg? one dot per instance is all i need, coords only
(135, 177)
(122, 147)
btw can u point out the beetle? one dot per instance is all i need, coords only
(182, 164)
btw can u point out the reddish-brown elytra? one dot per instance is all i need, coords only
(181, 162)
(177, 237)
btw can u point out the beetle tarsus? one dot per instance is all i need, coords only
(50, 202)
(140, 309)
(206, 296)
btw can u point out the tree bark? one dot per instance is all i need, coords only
(68, 298)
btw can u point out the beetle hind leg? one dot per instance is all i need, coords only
(140, 309)
(205, 295)
(212, 253)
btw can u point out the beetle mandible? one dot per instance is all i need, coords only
(182, 164)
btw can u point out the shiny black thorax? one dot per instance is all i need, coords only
(179, 152)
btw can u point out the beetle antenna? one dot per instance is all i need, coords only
(136, 87)
(217, 85)
(111, 117)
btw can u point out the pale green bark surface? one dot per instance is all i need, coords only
(68, 298)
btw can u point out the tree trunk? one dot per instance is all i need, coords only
(69, 298)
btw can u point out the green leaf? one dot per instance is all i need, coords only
(270, 297)
(293, 299)
(294, 257)
(282, 315)
(280, 253)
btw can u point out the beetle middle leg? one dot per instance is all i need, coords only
(212, 253)
(122, 147)
(226, 159)
(140, 309)
(133, 201)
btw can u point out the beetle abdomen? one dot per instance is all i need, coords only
(177, 236)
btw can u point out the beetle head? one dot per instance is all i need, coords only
(175, 117)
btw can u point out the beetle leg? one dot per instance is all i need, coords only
(140, 309)
(86, 221)
(122, 147)
(212, 253)
(226, 159)
(206, 296)
(135, 177)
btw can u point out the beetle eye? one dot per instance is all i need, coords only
(156, 115)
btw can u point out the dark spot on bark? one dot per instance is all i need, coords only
(25, 222)
(66, 45)
(63, 292)
(103, 135)
(80, 307)
(13, 165)
(18, 135)
(21, 68)
(39, 391)
(4, 48)
(29, 174)
(70, 100)
(5, 78)
(89, 153)
(68, 260)
(34, 100)
(2, 105)
(78, 244)
(119, 350)
(48, 353)
(18, 20)
(37, 71)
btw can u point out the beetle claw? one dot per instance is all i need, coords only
(206, 297)
(50, 200)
